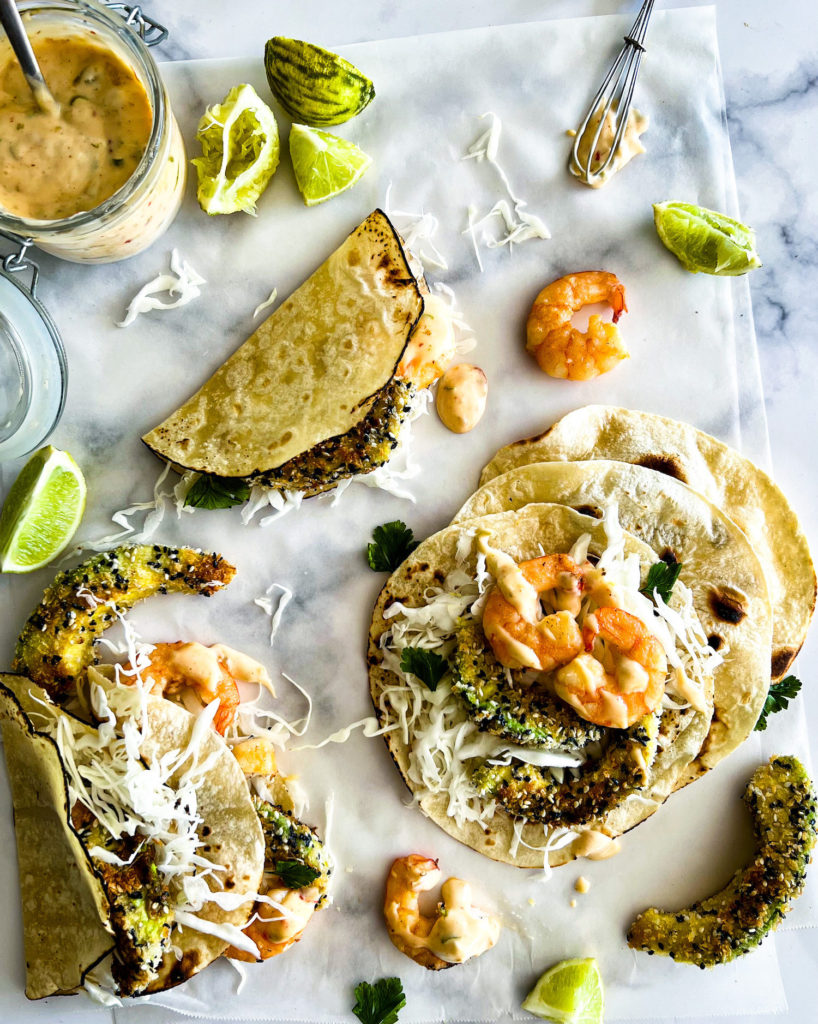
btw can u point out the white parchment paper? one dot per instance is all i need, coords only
(693, 357)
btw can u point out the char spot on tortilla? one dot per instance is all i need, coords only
(668, 557)
(205, 830)
(727, 604)
(781, 660)
(185, 967)
(715, 641)
(588, 510)
(417, 569)
(229, 883)
(667, 464)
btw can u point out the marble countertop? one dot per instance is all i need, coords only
(770, 68)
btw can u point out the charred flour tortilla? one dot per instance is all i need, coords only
(317, 371)
(718, 564)
(744, 493)
(65, 907)
(522, 534)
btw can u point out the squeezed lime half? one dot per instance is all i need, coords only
(705, 241)
(240, 152)
(324, 164)
(568, 993)
(42, 511)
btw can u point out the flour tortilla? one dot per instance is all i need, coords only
(310, 372)
(64, 906)
(718, 564)
(524, 534)
(743, 491)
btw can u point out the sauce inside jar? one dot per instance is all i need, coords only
(58, 164)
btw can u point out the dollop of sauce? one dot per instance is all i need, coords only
(595, 845)
(582, 884)
(60, 162)
(461, 397)
(462, 930)
(629, 145)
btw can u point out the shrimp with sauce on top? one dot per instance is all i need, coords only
(562, 350)
(620, 677)
(457, 932)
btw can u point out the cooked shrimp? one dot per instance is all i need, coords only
(621, 676)
(275, 928)
(431, 346)
(561, 349)
(553, 640)
(179, 666)
(457, 932)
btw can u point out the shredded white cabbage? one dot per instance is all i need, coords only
(266, 304)
(182, 281)
(417, 231)
(266, 604)
(519, 224)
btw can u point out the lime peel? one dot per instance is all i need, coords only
(705, 240)
(324, 164)
(570, 992)
(42, 511)
(240, 152)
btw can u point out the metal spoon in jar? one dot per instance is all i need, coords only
(13, 24)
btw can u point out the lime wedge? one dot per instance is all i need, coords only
(707, 241)
(314, 85)
(42, 511)
(240, 152)
(324, 164)
(569, 993)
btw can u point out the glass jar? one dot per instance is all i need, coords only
(143, 208)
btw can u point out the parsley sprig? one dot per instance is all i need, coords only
(379, 1003)
(778, 699)
(426, 665)
(391, 543)
(211, 491)
(294, 874)
(662, 578)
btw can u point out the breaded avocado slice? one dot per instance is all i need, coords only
(720, 928)
(529, 716)
(56, 644)
(527, 791)
(290, 844)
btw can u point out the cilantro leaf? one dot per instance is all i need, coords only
(212, 491)
(294, 874)
(379, 1003)
(778, 699)
(391, 543)
(661, 577)
(426, 665)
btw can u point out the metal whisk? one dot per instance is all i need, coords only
(615, 93)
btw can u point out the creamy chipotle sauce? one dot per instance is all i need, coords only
(58, 163)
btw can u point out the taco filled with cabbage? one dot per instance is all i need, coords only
(545, 692)
(322, 390)
(154, 830)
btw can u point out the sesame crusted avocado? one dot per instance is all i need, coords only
(56, 644)
(720, 928)
(288, 841)
(140, 915)
(526, 791)
(363, 448)
(529, 716)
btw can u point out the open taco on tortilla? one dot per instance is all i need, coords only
(152, 837)
(714, 559)
(745, 493)
(540, 691)
(321, 390)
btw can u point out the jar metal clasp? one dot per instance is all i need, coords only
(150, 32)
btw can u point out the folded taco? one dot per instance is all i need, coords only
(138, 845)
(715, 560)
(745, 493)
(320, 390)
(534, 693)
